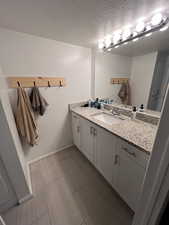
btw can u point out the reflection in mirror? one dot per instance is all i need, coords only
(140, 54)
(148, 76)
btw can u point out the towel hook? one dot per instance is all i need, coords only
(60, 84)
(18, 83)
(34, 83)
(49, 84)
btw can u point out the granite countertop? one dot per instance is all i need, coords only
(135, 131)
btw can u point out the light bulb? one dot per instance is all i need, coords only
(164, 28)
(156, 19)
(140, 27)
(126, 43)
(148, 27)
(108, 41)
(109, 49)
(116, 38)
(100, 44)
(135, 33)
(126, 34)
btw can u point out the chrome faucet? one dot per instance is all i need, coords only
(115, 113)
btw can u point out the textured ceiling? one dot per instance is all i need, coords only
(80, 22)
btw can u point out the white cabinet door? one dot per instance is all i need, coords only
(105, 154)
(76, 130)
(87, 138)
(129, 178)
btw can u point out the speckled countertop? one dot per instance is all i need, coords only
(137, 132)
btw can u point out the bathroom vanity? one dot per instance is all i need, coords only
(118, 147)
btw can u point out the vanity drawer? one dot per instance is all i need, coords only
(133, 152)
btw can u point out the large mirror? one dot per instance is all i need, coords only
(146, 66)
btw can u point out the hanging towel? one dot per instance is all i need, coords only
(38, 103)
(25, 120)
(124, 93)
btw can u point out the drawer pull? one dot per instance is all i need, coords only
(130, 153)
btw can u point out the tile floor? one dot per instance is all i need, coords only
(68, 190)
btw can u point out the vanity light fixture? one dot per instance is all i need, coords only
(148, 34)
(116, 46)
(126, 34)
(164, 28)
(109, 49)
(108, 41)
(148, 27)
(135, 39)
(125, 43)
(140, 27)
(156, 19)
(134, 34)
(101, 44)
(143, 28)
(116, 37)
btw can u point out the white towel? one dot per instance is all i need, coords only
(25, 119)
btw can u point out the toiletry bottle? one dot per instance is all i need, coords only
(96, 103)
(134, 112)
(102, 105)
(141, 109)
(89, 102)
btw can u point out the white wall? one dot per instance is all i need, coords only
(26, 55)
(141, 78)
(108, 66)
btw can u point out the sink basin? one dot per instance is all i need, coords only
(107, 118)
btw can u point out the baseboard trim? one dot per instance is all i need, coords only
(49, 154)
(26, 198)
(29, 178)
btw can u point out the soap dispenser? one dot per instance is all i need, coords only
(141, 109)
(134, 112)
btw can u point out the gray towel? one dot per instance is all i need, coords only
(38, 103)
(25, 119)
(124, 93)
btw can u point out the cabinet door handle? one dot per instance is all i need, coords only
(78, 129)
(91, 130)
(116, 159)
(130, 153)
(95, 132)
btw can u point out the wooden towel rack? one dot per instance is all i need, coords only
(119, 80)
(28, 82)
